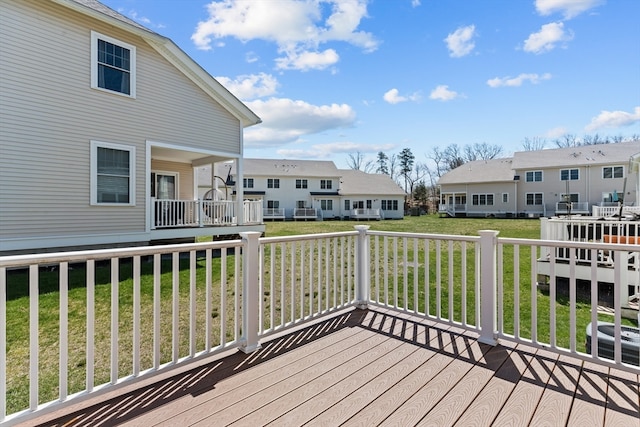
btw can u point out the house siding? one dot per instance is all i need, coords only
(50, 113)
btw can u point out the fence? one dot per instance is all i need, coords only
(112, 317)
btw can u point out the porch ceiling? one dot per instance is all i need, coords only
(184, 156)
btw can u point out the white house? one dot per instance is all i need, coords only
(103, 124)
(307, 190)
(544, 182)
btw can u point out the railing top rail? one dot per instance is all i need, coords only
(425, 236)
(573, 244)
(100, 254)
(318, 236)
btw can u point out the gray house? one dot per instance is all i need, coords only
(102, 129)
(544, 182)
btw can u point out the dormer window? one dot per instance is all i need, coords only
(113, 65)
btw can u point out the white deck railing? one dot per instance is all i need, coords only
(202, 213)
(607, 211)
(113, 317)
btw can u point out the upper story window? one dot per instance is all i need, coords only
(113, 65)
(112, 174)
(326, 184)
(569, 174)
(273, 183)
(247, 182)
(612, 172)
(533, 176)
(301, 183)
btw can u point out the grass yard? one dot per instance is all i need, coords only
(226, 301)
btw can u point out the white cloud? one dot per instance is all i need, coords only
(251, 86)
(547, 38)
(305, 61)
(518, 81)
(460, 42)
(442, 93)
(393, 96)
(297, 27)
(556, 132)
(326, 151)
(285, 120)
(614, 119)
(569, 8)
(415, 3)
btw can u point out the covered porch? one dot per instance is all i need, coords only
(194, 189)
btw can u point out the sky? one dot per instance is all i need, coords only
(333, 79)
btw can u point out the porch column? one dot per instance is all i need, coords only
(362, 267)
(250, 291)
(488, 297)
(239, 192)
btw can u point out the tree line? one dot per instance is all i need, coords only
(419, 178)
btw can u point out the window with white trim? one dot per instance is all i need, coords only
(347, 205)
(273, 183)
(273, 204)
(112, 174)
(247, 182)
(113, 65)
(301, 183)
(533, 176)
(609, 172)
(533, 199)
(326, 205)
(505, 197)
(569, 174)
(300, 204)
(482, 199)
(389, 205)
(326, 184)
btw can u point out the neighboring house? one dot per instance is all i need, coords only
(544, 182)
(103, 124)
(307, 190)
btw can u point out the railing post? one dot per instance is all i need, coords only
(362, 267)
(250, 291)
(488, 300)
(200, 209)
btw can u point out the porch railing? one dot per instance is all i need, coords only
(366, 214)
(201, 213)
(607, 211)
(114, 317)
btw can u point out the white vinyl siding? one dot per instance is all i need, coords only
(50, 121)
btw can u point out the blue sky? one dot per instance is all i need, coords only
(330, 78)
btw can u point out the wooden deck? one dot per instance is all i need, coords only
(371, 368)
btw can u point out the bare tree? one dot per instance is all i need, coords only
(534, 144)
(393, 167)
(453, 157)
(356, 161)
(567, 140)
(481, 151)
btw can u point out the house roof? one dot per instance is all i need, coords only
(600, 154)
(294, 168)
(355, 182)
(494, 170)
(171, 52)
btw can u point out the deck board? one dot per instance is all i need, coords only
(374, 367)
